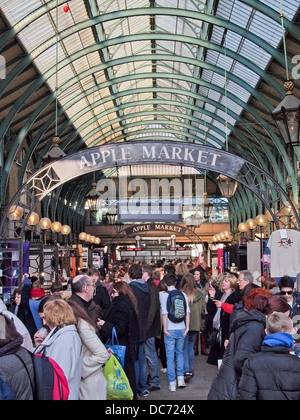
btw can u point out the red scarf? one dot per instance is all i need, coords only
(37, 293)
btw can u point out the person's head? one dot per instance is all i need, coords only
(109, 278)
(278, 322)
(147, 272)
(8, 331)
(277, 304)
(94, 274)
(229, 283)
(43, 302)
(37, 290)
(270, 283)
(247, 289)
(135, 272)
(56, 286)
(169, 269)
(182, 269)
(156, 275)
(17, 296)
(188, 283)
(257, 300)
(84, 287)
(199, 276)
(245, 277)
(58, 313)
(170, 280)
(286, 285)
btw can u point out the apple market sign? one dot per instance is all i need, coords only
(53, 175)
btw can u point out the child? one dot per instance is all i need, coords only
(174, 334)
(274, 373)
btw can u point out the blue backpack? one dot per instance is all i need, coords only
(176, 306)
(5, 391)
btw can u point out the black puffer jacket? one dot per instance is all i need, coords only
(273, 374)
(247, 337)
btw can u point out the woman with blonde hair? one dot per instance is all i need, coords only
(197, 305)
(63, 343)
(219, 319)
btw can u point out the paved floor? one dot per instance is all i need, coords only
(197, 388)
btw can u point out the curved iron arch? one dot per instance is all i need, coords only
(57, 173)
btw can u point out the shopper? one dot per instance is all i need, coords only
(63, 343)
(174, 335)
(93, 383)
(159, 341)
(273, 373)
(20, 327)
(219, 318)
(32, 294)
(101, 296)
(16, 367)
(123, 316)
(246, 339)
(141, 292)
(287, 290)
(197, 306)
(83, 288)
(154, 330)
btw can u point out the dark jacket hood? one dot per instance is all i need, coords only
(246, 317)
(140, 284)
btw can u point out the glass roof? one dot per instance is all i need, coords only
(132, 69)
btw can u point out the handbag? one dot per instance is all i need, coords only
(118, 386)
(119, 351)
(215, 339)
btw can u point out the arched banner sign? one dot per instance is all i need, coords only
(197, 156)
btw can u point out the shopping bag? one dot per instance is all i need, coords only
(118, 387)
(119, 351)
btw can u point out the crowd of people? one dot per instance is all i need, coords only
(165, 314)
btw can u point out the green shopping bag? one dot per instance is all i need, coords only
(118, 387)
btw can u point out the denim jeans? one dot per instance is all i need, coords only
(188, 351)
(174, 345)
(153, 363)
(141, 370)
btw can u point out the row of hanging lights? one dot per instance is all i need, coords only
(85, 237)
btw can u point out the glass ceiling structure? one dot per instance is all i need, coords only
(208, 71)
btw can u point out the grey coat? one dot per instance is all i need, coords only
(64, 346)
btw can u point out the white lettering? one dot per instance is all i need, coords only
(105, 154)
(84, 162)
(148, 155)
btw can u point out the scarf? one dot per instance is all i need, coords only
(217, 317)
(37, 293)
(279, 339)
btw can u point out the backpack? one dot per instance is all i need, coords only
(176, 306)
(50, 382)
(5, 392)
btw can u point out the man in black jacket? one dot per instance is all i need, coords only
(141, 292)
(154, 330)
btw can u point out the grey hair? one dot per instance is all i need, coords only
(79, 282)
(247, 275)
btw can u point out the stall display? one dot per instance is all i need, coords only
(284, 245)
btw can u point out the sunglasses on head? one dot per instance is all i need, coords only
(290, 292)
